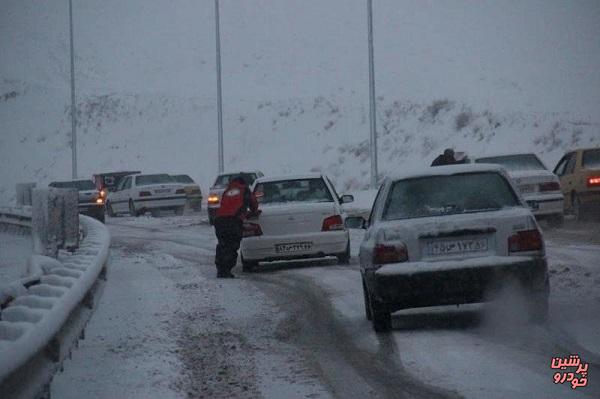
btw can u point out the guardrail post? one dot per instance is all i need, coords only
(24, 194)
(70, 218)
(43, 242)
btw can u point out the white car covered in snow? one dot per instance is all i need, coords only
(540, 187)
(449, 235)
(139, 193)
(301, 217)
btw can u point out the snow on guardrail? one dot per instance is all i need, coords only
(17, 216)
(32, 320)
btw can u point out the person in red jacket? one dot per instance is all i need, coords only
(237, 203)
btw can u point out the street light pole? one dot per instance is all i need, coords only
(372, 113)
(219, 98)
(73, 105)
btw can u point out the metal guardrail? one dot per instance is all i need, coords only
(16, 216)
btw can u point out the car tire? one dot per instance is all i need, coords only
(155, 213)
(556, 221)
(368, 314)
(381, 317)
(179, 210)
(577, 209)
(132, 211)
(101, 218)
(109, 210)
(248, 266)
(344, 257)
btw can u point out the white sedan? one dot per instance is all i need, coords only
(136, 194)
(301, 217)
(540, 187)
(449, 235)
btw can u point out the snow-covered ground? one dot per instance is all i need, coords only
(166, 327)
(15, 250)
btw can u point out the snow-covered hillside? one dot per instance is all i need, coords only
(487, 77)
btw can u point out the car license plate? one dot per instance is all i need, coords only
(452, 247)
(527, 188)
(162, 190)
(293, 247)
(533, 205)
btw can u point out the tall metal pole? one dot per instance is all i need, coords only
(372, 113)
(73, 105)
(219, 98)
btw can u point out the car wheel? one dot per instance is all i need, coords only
(556, 221)
(248, 266)
(132, 211)
(101, 217)
(576, 203)
(109, 210)
(179, 210)
(367, 302)
(381, 317)
(155, 213)
(344, 257)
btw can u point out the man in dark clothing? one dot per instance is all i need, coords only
(229, 223)
(447, 158)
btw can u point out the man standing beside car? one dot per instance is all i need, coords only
(237, 203)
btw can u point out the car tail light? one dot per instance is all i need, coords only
(550, 186)
(145, 193)
(526, 240)
(213, 199)
(386, 253)
(251, 230)
(180, 191)
(103, 193)
(333, 223)
(593, 181)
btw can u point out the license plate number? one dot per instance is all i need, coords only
(162, 191)
(526, 189)
(293, 247)
(451, 247)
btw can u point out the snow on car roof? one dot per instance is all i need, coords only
(289, 177)
(506, 155)
(449, 170)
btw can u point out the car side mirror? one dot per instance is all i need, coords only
(355, 222)
(347, 199)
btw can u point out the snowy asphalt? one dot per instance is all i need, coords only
(167, 328)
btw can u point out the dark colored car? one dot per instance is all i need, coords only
(91, 200)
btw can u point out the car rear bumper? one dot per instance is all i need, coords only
(263, 248)
(590, 198)
(424, 284)
(550, 204)
(154, 203)
(91, 209)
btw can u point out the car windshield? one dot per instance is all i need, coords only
(183, 179)
(223, 180)
(297, 190)
(515, 162)
(591, 159)
(446, 195)
(144, 180)
(80, 185)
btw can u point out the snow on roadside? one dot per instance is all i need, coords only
(15, 249)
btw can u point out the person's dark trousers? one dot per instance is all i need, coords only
(229, 233)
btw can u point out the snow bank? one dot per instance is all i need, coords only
(37, 314)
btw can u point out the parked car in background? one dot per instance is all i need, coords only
(301, 217)
(579, 174)
(91, 200)
(137, 194)
(192, 191)
(446, 236)
(219, 186)
(539, 186)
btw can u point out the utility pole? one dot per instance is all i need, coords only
(219, 98)
(372, 111)
(73, 105)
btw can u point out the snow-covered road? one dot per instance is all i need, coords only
(166, 327)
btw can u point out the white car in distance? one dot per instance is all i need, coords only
(301, 217)
(139, 193)
(538, 186)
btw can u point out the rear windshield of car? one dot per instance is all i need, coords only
(223, 180)
(182, 179)
(591, 159)
(145, 180)
(447, 195)
(515, 162)
(80, 185)
(298, 190)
